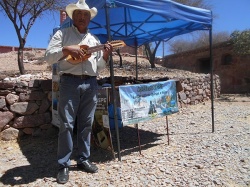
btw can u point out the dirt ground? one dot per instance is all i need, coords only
(194, 157)
(33, 62)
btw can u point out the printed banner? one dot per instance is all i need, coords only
(142, 102)
(101, 135)
(55, 96)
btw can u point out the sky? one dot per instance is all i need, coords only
(230, 15)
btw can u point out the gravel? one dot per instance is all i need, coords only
(195, 156)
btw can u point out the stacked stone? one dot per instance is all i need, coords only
(25, 101)
(25, 105)
(197, 90)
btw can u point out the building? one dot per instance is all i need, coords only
(7, 49)
(233, 70)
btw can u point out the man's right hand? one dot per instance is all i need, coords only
(76, 53)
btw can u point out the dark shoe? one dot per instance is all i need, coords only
(63, 175)
(88, 167)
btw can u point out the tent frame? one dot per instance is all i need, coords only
(111, 63)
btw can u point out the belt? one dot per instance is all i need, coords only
(77, 76)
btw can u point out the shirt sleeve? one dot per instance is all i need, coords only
(101, 64)
(54, 52)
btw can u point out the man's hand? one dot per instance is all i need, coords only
(108, 48)
(75, 52)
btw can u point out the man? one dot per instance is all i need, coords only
(78, 86)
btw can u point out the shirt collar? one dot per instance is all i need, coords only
(78, 31)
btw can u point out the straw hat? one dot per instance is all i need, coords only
(81, 5)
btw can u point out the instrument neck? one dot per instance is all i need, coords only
(95, 48)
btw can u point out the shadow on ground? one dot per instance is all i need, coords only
(41, 154)
(130, 141)
(234, 98)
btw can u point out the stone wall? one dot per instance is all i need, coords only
(197, 89)
(25, 106)
(26, 102)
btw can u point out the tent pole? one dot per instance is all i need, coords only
(211, 77)
(136, 61)
(163, 48)
(113, 85)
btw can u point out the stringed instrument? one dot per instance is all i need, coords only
(116, 44)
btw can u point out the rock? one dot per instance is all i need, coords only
(9, 134)
(28, 130)
(32, 120)
(182, 96)
(21, 84)
(4, 92)
(12, 98)
(35, 95)
(5, 118)
(6, 85)
(2, 102)
(24, 108)
(44, 106)
(199, 166)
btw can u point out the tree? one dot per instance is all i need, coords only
(120, 57)
(194, 3)
(200, 39)
(241, 42)
(23, 14)
(151, 51)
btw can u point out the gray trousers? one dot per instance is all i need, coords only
(77, 99)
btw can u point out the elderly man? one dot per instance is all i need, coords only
(78, 85)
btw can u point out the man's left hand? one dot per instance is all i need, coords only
(108, 48)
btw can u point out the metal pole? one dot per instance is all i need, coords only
(113, 85)
(136, 60)
(211, 77)
(138, 137)
(163, 49)
(167, 128)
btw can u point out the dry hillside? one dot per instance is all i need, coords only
(34, 63)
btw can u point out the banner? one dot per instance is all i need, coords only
(142, 102)
(55, 96)
(101, 135)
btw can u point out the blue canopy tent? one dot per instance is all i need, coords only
(147, 20)
(138, 22)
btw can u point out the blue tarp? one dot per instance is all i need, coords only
(137, 22)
